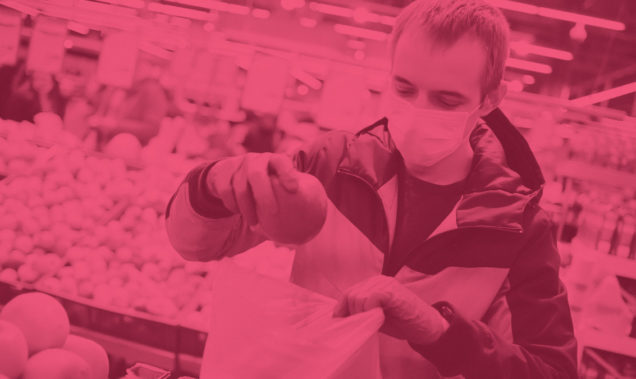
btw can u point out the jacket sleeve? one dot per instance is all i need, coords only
(543, 343)
(201, 228)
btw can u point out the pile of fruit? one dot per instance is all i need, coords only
(35, 343)
(76, 224)
(79, 224)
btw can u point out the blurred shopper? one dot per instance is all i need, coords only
(137, 111)
(433, 215)
(27, 93)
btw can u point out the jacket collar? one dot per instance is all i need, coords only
(494, 197)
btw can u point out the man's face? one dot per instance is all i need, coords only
(436, 76)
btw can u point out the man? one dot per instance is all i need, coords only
(432, 216)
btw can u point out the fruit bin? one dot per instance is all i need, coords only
(139, 336)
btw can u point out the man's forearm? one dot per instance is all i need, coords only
(200, 227)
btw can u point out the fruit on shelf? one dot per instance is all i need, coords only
(93, 353)
(56, 364)
(13, 350)
(81, 224)
(124, 146)
(40, 317)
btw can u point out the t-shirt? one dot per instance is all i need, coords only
(416, 207)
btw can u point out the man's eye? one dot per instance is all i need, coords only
(448, 102)
(404, 91)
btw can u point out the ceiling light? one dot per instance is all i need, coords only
(333, 10)
(525, 48)
(529, 66)
(605, 95)
(360, 32)
(578, 32)
(559, 14)
(261, 13)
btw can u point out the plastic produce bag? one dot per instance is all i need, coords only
(606, 311)
(266, 328)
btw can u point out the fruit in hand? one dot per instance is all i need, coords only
(301, 214)
(56, 364)
(40, 317)
(13, 350)
(91, 352)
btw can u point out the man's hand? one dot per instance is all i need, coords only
(406, 316)
(244, 183)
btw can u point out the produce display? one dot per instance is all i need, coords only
(35, 342)
(85, 225)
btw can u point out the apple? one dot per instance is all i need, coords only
(40, 317)
(93, 353)
(124, 146)
(27, 274)
(8, 275)
(13, 350)
(23, 243)
(301, 215)
(56, 364)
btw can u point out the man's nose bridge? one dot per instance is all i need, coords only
(422, 100)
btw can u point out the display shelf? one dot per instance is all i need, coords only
(139, 327)
(603, 175)
(137, 336)
(608, 342)
(131, 351)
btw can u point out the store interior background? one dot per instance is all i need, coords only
(85, 223)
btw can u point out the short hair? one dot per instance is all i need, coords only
(448, 20)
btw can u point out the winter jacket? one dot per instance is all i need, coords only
(491, 267)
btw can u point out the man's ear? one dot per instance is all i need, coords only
(493, 99)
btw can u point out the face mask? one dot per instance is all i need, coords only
(425, 136)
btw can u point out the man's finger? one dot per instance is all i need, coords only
(243, 195)
(261, 184)
(282, 167)
(220, 181)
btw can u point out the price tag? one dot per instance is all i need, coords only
(342, 102)
(118, 59)
(10, 23)
(265, 85)
(46, 48)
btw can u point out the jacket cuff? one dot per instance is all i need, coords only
(457, 349)
(202, 201)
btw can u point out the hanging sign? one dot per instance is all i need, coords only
(46, 48)
(342, 101)
(118, 59)
(10, 23)
(265, 85)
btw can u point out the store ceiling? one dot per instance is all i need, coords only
(603, 59)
